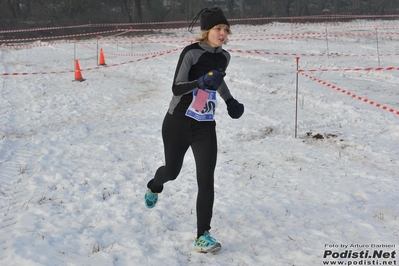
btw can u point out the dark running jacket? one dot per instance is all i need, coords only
(196, 60)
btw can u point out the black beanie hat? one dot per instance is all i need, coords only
(211, 17)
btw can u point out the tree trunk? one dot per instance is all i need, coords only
(355, 7)
(139, 11)
(379, 7)
(230, 7)
(287, 8)
(14, 7)
(125, 7)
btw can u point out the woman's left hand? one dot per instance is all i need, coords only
(234, 108)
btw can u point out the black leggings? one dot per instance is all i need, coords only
(179, 133)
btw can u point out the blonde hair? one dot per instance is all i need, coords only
(204, 36)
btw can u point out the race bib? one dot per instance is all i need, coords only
(203, 105)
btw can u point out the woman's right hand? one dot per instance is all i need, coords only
(210, 81)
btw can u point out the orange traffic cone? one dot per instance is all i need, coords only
(78, 73)
(102, 60)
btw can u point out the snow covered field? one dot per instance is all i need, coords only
(75, 157)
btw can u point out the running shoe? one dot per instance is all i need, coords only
(150, 199)
(206, 244)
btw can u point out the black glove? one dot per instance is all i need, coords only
(210, 81)
(234, 108)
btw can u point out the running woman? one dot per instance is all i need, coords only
(190, 122)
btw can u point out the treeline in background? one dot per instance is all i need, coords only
(22, 14)
(27, 20)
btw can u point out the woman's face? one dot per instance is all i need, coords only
(218, 35)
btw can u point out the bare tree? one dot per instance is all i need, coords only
(13, 6)
(139, 11)
(28, 13)
(241, 8)
(355, 6)
(126, 9)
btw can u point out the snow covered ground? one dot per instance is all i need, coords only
(75, 157)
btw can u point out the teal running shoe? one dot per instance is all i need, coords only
(206, 244)
(150, 199)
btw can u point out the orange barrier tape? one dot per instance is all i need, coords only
(280, 36)
(165, 39)
(360, 98)
(295, 54)
(35, 45)
(142, 54)
(88, 69)
(58, 37)
(273, 18)
(350, 69)
(145, 41)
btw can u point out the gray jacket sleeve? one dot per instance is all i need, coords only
(223, 90)
(181, 84)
